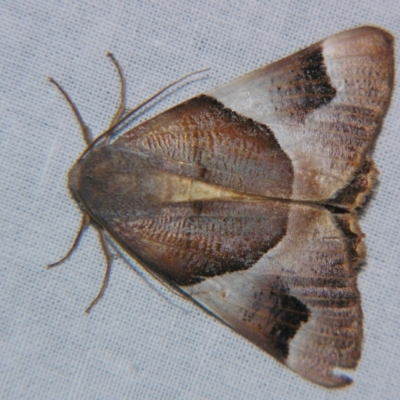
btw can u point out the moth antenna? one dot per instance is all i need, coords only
(84, 224)
(110, 130)
(87, 134)
(122, 103)
(106, 278)
(168, 286)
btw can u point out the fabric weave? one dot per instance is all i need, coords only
(141, 341)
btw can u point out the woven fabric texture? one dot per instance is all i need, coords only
(141, 341)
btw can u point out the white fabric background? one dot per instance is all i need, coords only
(141, 341)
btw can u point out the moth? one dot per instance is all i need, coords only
(245, 198)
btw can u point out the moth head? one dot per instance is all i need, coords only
(74, 183)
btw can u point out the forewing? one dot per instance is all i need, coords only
(300, 301)
(280, 273)
(186, 242)
(324, 105)
(204, 141)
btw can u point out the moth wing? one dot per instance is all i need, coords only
(300, 301)
(187, 242)
(324, 104)
(204, 141)
(281, 274)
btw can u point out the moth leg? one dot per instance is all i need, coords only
(84, 224)
(106, 278)
(87, 134)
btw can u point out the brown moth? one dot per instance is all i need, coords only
(245, 198)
